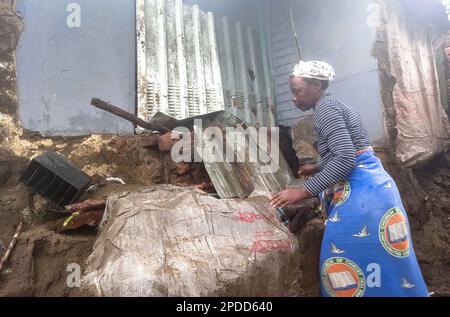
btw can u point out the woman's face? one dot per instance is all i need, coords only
(304, 95)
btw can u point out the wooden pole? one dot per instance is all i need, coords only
(98, 103)
(11, 246)
(87, 205)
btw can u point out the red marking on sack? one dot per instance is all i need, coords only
(251, 217)
(266, 246)
(264, 234)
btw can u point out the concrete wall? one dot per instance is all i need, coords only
(59, 69)
(336, 32)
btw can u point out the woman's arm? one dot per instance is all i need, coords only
(331, 126)
(308, 170)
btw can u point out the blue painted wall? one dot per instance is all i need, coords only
(59, 69)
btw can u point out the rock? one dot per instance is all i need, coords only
(183, 168)
(304, 130)
(305, 151)
(304, 138)
(39, 203)
(167, 140)
(8, 199)
(27, 214)
(149, 140)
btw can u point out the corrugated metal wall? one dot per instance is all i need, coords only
(284, 57)
(190, 63)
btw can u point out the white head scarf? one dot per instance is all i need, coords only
(314, 69)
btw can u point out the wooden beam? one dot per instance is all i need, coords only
(98, 103)
(11, 246)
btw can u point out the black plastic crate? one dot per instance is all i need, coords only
(55, 179)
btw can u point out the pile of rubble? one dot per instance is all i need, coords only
(114, 165)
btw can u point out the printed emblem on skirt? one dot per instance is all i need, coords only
(341, 194)
(342, 278)
(393, 233)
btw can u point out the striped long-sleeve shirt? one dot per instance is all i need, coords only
(340, 134)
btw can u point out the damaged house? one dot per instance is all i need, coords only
(165, 62)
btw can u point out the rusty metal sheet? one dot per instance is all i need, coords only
(190, 63)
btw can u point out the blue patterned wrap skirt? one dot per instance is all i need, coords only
(367, 248)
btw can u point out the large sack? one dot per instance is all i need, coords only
(171, 241)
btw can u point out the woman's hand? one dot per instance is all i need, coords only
(289, 196)
(307, 170)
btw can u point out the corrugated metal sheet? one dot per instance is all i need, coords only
(241, 178)
(190, 64)
(284, 56)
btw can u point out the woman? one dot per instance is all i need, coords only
(367, 248)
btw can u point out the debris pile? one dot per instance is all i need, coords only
(115, 165)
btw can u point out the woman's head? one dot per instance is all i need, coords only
(308, 82)
(306, 91)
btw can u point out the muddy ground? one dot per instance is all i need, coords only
(38, 264)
